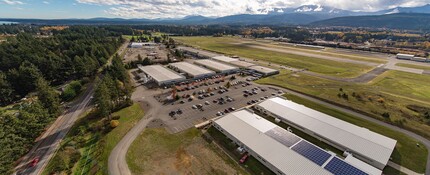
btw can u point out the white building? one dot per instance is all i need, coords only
(141, 45)
(420, 59)
(265, 71)
(368, 146)
(217, 66)
(282, 151)
(192, 70)
(241, 64)
(224, 59)
(161, 75)
(404, 56)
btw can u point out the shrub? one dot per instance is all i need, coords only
(381, 100)
(114, 123)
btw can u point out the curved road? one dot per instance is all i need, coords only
(117, 163)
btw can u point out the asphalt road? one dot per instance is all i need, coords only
(49, 142)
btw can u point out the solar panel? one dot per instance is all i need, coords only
(283, 136)
(339, 167)
(311, 152)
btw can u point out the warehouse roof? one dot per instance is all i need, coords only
(263, 69)
(160, 73)
(198, 51)
(282, 149)
(225, 59)
(214, 65)
(192, 69)
(243, 64)
(356, 139)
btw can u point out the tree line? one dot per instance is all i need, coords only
(68, 55)
(30, 64)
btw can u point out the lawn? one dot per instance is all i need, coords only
(155, 151)
(229, 45)
(423, 67)
(86, 148)
(406, 152)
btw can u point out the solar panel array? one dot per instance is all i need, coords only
(339, 167)
(283, 136)
(311, 152)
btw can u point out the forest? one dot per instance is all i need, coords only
(35, 65)
(69, 54)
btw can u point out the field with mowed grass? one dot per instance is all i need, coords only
(383, 98)
(425, 66)
(406, 152)
(87, 147)
(231, 46)
(155, 151)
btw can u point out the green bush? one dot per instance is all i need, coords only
(71, 90)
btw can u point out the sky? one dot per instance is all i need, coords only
(60, 9)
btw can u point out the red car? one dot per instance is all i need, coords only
(244, 158)
(34, 162)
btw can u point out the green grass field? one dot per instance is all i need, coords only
(384, 94)
(93, 144)
(229, 45)
(423, 67)
(406, 152)
(155, 151)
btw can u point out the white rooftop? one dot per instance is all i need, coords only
(192, 69)
(225, 59)
(263, 69)
(249, 129)
(214, 65)
(277, 146)
(241, 63)
(201, 52)
(160, 73)
(356, 139)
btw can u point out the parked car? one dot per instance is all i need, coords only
(244, 158)
(34, 162)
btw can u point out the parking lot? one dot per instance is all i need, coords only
(193, 109)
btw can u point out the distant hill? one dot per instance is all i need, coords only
(412, 21)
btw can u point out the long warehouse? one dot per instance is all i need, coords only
(368, 146)
(282, 151)
(217, 66)
(192, 70)
(265, 71)
(161, 75)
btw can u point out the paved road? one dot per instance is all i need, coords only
(117, 163)
(409, 133)
(48, 144)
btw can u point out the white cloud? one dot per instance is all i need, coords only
(181, 8)
(12, 2)
(45, 2)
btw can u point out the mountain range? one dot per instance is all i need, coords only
(304, 15)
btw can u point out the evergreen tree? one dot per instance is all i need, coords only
(48, 97)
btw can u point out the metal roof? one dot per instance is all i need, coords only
(214, 65)
(249, 129)
(354, 138)
(263, 69)
(225, 59)
(198, 51)
(160, 73)
(192, 69)
(241, 64)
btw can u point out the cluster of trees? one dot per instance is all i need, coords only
(113, 90)
(70, 54)
(18, 130)
(15, 29)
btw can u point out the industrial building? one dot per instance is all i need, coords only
(191, 70)
(265, 71)
(241, 64)
(161, 75)
(217, 66)
(368, 146)
(284, 152)
(141, 45)
(224, 59)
